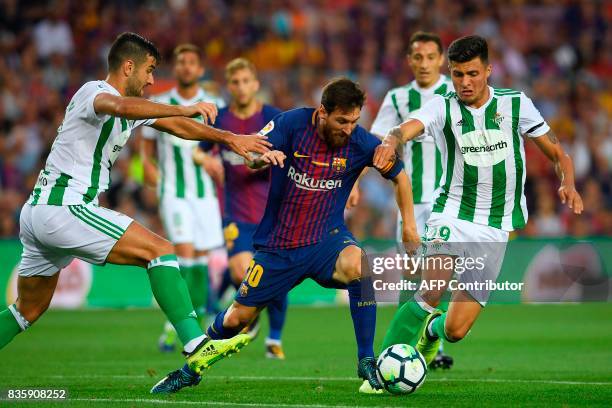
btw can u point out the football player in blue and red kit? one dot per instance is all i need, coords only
(317, 156)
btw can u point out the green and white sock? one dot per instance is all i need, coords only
(198, 285)
(407, 321)
(11, 324)
(172, 295)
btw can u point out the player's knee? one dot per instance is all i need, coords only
(237, 318)
(237, 272)
(432, 297)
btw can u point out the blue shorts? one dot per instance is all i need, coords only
(238, 236)
(275, 272)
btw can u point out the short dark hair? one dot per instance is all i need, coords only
(342, 93)
(467, 48)
(424, 36)
(131, 46)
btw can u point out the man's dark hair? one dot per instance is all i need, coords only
(465, 49)
(342, 93)
(131, 46)
(423, 36)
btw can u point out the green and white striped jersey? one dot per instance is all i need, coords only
(180, 176)
(419, 155)
(87, 144)
(483, 154)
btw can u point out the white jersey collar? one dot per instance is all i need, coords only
(198, 96)
(432, 88)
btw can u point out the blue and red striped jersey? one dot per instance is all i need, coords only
(308, 195)
(245, 190)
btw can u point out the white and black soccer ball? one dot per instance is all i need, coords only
(401, 369)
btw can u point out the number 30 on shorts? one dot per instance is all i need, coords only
(254, 274)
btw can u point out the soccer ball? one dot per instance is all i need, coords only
(401, 369)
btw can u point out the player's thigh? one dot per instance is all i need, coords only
(208, 231)
(269, 276)
(335, 261)
(178, 219)
(138, 246)
(462, 312)
(238, 264)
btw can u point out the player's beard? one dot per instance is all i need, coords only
(183, 83)
(334, 139)
(134, 87)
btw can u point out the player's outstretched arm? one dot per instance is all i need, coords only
(271, 158)
(405, 203)
(395, 140)
(147, 152)
(192, 130)
(134, 108)
(564, 167)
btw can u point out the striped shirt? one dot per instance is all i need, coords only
(307, 196)
(180, 176)
(419, 155)
(484, 172)
(78, 167)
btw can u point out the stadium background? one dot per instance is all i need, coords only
(559, 52)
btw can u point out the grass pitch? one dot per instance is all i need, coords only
(516, 355)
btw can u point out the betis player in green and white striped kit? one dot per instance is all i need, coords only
(188, 204)
(479, 131)
(422, 159)
(62, 219)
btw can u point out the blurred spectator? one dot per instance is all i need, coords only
(559, 53)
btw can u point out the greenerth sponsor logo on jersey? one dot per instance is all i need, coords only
(484, 148)
(306, 182)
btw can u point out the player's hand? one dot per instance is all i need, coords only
(274, 158)
(384, 153)
(244, 144)
(353, 199)
(207, 110)
(411, 239)
(571, 197)
(211, 164)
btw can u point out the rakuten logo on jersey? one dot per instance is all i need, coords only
(303, 181)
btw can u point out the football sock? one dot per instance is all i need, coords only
(217, 331)
(198, 285)
(443, 306)
(436, 328)
(407, 322)
(277, 310)
(363, 313)
(11, 324)
(193, 343)
(172, 295)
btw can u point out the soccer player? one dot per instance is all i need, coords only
(246, 190)
(422, 159)
(319, 153)
(478, 130)
(188, 204)
(62, 219)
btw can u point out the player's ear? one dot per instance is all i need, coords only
(257, 84)
(488, 70)
(322, 112)
(128, 67)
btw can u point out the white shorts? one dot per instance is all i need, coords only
(52, 236)
(192, 220)
(482, 248)
(421, 214)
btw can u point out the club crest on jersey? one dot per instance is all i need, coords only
(267, 129)
(339, 163)
(498, 119)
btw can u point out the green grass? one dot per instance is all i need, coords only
(515, 356)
